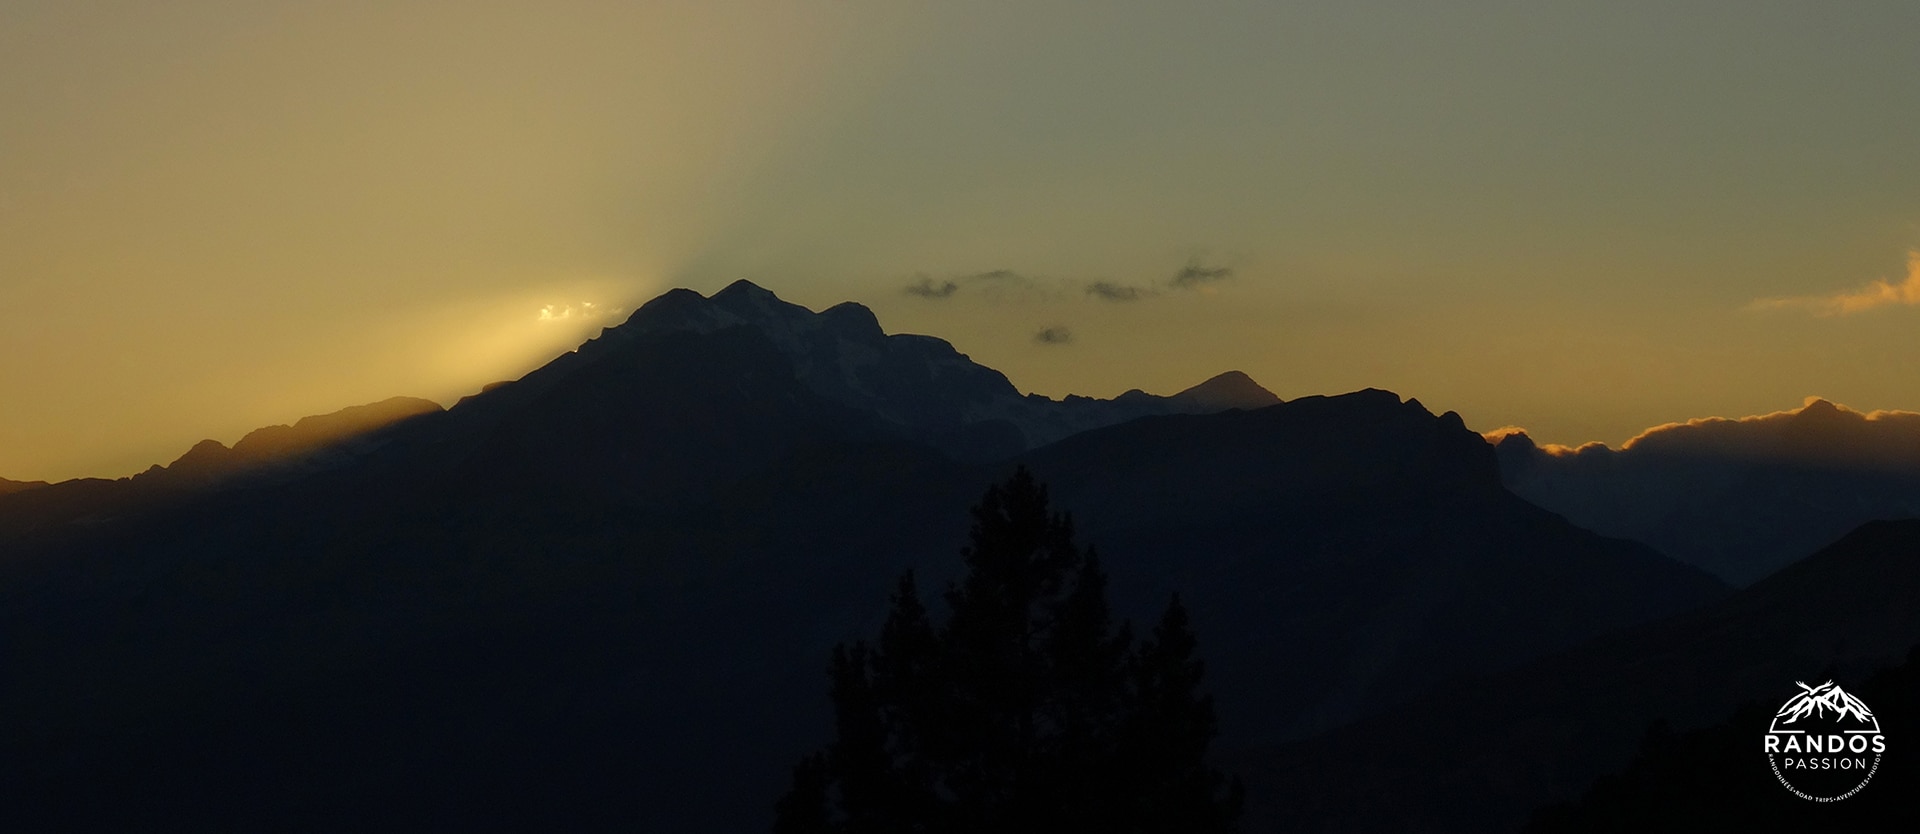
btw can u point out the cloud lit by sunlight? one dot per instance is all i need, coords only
(1818, 431)
(491, 340)
(1880, 293)
(584, 311)
(456, 348)
(1495, 436)
(1705, 431)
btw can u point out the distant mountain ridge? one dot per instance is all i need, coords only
(310, 443)
(8, 487)
(266, 455)
(1740, 498)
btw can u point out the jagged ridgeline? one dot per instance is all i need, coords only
(597, 597)
(918, 386)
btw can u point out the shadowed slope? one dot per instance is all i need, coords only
(1344, 553)
(1482, 754)
(1713, 779)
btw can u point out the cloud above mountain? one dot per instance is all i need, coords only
(1880, 293)
(1003, 287)
(1003, 284)
(584, 311)
(1055, 335)
(1007, 276)
(1109, 291)
(926, 288)
(1196, 274)
(999, 284)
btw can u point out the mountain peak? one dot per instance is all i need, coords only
(1817, 404)
(208, 457)
(676, 309)
(1383, 397)
(740, 303)
(753, 302)
(852, 319)
(1819, 410)
(744, 287)
(1516, 439)
(1233, 389)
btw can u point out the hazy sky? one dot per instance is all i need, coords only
(1583, 218)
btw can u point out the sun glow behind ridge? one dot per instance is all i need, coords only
(226, 217)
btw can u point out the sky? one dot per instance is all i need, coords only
(1581, 218)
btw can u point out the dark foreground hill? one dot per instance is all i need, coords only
(602, 596)
(1483, 753)
(1712, 778)
(1344, 553)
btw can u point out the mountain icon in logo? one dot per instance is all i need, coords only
(1826, 702)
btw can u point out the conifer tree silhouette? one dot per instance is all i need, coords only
(1028, 709)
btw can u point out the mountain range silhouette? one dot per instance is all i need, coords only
(598, 596)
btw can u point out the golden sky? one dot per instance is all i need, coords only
(1585, 219)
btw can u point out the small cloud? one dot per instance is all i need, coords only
(584, 311)
(1007, 276)
(1109, 291)
(1503, 433)
(926, 288)
(1005, 286)
(1195, 275)
(1055, 335)
(1877, 294)
(996, 283)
